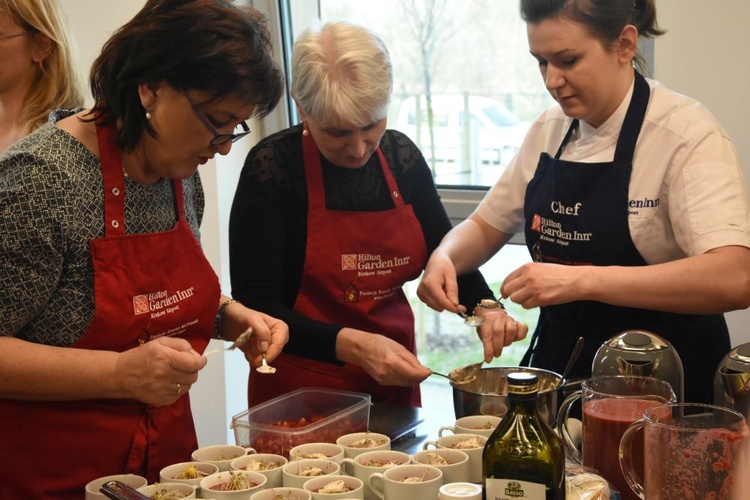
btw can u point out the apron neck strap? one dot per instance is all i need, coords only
(314, 175)
(113, 177)
(631, 126)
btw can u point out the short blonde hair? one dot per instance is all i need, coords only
(341, 71)
(56, 83)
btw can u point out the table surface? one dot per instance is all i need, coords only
(409, 428)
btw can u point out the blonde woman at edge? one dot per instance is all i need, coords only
(37, 74)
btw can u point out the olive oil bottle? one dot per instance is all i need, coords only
(523, 458)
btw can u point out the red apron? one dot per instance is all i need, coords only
(146, 286)
(356, 264)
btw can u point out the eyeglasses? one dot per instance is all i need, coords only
(219, 139)
(6, 37)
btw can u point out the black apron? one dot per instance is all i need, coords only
(577, 214)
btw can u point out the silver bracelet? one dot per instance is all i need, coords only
(220, 318)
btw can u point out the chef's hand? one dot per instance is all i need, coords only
(158, 372)
(439, 287)
(536, 284)
(384, 359)
(498, 331)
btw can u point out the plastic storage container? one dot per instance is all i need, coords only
(306, 415)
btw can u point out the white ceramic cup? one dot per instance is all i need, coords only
(293, 474)
(482, 425)
(188, 491)
(354, 486)
(208, 484)
(221, 455)
(327, 451)
(460, 491)
(132, 480)
(471, 444)
(357, 443)
(364, 465)
(283, 492)
(268, 464)
(457, 470)
(390, 485)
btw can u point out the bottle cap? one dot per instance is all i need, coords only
(460, 491)
(523, 382)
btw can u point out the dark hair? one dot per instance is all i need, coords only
(208, 45)
(605, 18)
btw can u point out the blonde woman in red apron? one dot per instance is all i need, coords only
(109, 300)
(347, 212)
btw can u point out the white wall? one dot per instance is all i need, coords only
(702, 55)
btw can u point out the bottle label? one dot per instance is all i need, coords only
(513, 489)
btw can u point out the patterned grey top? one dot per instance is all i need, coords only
(51, 205)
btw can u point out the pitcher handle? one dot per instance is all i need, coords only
(571, 450)
(626, 459)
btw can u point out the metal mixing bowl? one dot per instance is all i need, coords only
(487, 394)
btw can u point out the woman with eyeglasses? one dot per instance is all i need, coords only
(37, 73)
(331, 218)
(108, 300)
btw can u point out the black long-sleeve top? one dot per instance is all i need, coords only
(268, 226)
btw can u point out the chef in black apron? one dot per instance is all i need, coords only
(601, 237)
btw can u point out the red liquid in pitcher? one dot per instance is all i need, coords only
(604, 423)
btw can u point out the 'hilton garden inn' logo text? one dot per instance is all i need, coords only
(367, 264)
(160, 303)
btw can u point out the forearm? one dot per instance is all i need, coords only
(35, 372)
(472, 243)
(717, 281)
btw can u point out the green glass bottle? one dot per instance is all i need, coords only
(523, 458)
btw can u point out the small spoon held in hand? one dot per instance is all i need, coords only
(471, 320)
(265, 368)
(239, 342)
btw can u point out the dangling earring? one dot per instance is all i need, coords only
(305, 132)
(148, 115)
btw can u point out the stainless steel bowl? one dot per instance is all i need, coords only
(487, 394)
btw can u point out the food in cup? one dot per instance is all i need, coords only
(382, 463)
(261, 465)
(338, 486)
(311, 472)
(190, 472)
(307, 456)
(412, 479)
(234, 482)
(435, 459)
(162, 493)
(485, 426)
(367, 442)
(466, 444)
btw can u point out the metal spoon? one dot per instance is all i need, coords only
(471, 320)
(265, 368)
(239, 342)
(571, 361)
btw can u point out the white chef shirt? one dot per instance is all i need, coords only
(687, 191)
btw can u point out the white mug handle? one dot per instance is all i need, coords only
(446, 428)
(377, 482)
(250, 451)
(347, 462)
(427, 445)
